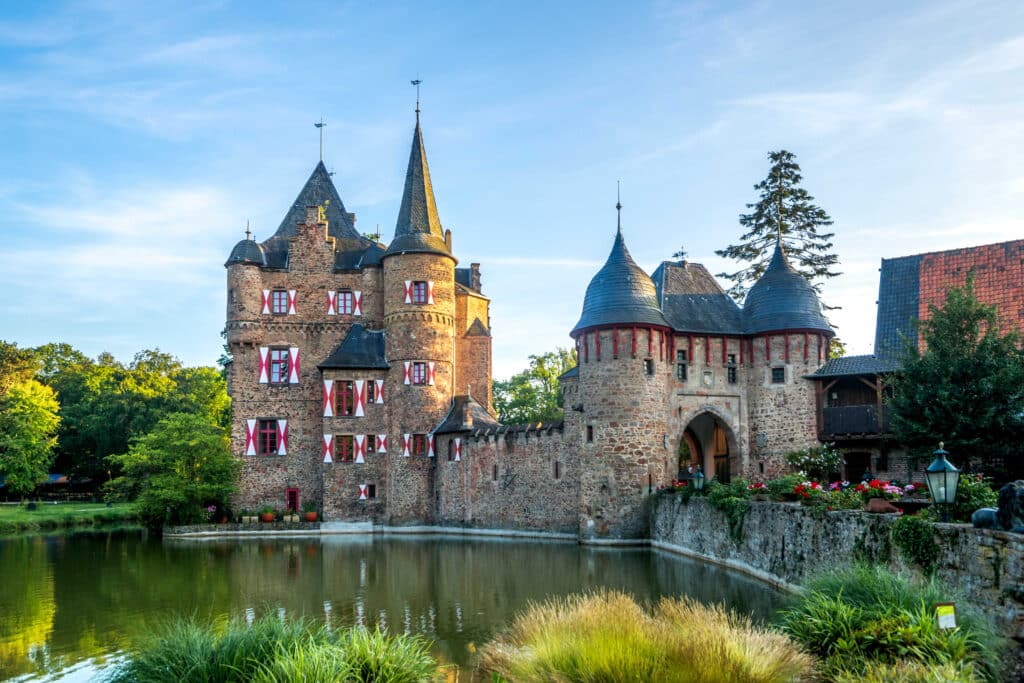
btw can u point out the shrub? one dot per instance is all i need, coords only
(855, 616)
(732, 499)
(974, 491)
(783, 487)
(819, 462)
(607, 636)
(911, 672)
(915, 537)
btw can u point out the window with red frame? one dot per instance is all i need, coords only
(419, 373)
(279, 302)
(280, 362)
(346, 302)
(419, 444)
(345, 399)
(266, 437)
(419, 292)
(371, 443)
(344, 447)
(371, 391)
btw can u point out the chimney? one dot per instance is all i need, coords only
(448, 239)
(352, 219)
(474, 278)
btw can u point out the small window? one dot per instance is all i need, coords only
(371, 490)
(419, 444)
(371, 443)
(231, 296)
(778, 375)
(451, 451)
(279, 302)
(346, 302)
(419, 373)
(267, 437)
(344, 447)
(419, 292)
(494, 473)
(590, 433)
(681, 363)
(558, 470)
(730, 370)
(649, 366)
(371, 391)
(345, 397)
(280, 363)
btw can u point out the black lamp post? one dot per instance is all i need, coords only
(942, 478)
(698, 480)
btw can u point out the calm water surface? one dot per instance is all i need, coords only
(69, 605)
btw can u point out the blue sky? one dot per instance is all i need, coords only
(139, 138)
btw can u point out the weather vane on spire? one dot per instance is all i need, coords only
(320, 125)
(248, 234)
(618, 201)
(417, 84)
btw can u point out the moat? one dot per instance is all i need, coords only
(69, 605)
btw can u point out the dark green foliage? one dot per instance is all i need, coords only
(857, 617)
(966, 388)
(16, 365)
(782, 488)
(783, 207)
(533, 395)
(732, 499)
(176, 471)
(972, 493)
(915, 537)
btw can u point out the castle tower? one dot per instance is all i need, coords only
(788, 339)
(419, 318)
(622, 341)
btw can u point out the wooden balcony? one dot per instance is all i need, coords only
(851, 422)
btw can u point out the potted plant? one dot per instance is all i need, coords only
(877, 495)
(248, 517)
(309, 507)
(267, 514)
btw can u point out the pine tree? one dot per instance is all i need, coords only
(784, 210)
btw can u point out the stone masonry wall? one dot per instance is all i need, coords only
(787, 542)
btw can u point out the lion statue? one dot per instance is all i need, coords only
(1009, 516)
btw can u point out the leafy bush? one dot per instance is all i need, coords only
(607, 636)
(861, 615)
(733, 499)
(974, 491)
(915, 537)
(783, 487)
(819, 462)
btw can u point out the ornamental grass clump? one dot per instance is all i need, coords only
(607, 636)
(866, 618)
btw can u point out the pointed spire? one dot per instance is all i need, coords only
(418, 227)
(248, 233)
(779, 260)
(319, 190)
(618, 202)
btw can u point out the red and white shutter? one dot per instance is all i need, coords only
(250, 437)
(291, 302)
(430, 445)
(406, 438)
(360, 447)
(293, 365)
(357, 303)
(408, 372)
(282, 437)
(328, 447)
(458, 449)
(380, 390)
(364, 491)
(328, 398)
(430, 291)
(264, 351)
(266, 301)
(360, 397)
(332, 302)
(430, 373)
(382, 443)
(408, 291)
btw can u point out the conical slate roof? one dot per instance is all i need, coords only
(620, 294)
(418, 228)
(782, 300)
(319, 190)
(247, 252)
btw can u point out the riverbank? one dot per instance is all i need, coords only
(16, 519)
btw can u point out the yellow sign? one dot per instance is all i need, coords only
(945, 612)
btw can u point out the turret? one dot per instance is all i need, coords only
(243, 301)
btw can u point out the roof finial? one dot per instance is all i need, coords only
(248, 234)
(618, 202)
(321, 125)
(417, 84)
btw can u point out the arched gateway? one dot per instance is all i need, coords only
(709, 442)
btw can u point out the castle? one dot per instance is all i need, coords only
(361, 379)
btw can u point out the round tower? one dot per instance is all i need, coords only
(622, 341)
(244, 302)
(788, 338)
(419, 323)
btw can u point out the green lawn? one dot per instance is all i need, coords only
(15, 519)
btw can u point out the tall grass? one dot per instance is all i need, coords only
(607, 636)
(866, 619)
(274, 651)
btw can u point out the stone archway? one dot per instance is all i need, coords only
(712, 445)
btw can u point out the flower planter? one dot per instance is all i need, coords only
(911, 506)
(267, 517)
(879, 505)
(311, 516)
(250, 519)
(291, 519)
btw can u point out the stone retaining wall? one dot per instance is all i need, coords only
(784, 543)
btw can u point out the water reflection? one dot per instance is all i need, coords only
(67, 599)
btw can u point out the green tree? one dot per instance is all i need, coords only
(964, 386)
(16, 365)
(28, 424)
(533, 395)
(176, 470)
(786, 210)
